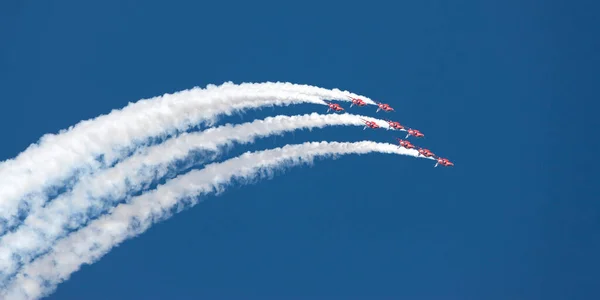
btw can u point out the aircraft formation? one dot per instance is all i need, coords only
(396, 126)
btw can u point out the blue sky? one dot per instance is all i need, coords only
(505, 89)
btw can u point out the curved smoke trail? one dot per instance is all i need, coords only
(57, 157)
(90, 243)
(93, 195)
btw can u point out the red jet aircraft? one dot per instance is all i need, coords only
(405, 144)
(444, 162)
(357, 102)
(384, 107)
(395, 125)
(414, 133)
(426, 152)
(370, 124)
(334, 106)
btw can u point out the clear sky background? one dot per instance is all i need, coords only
(505, 89)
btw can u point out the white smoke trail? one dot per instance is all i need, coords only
(129, 220)
(95, 194)
(57, 157)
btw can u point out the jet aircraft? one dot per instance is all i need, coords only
(334, 106)
(414, 133)
(444, 162)
(384, 107)
(426, 152)
(395, 125)
(405, 144)
(370, 124)
(357, 102)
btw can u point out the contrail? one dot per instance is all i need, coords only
(57, 157)
(95, 194)
(90, 243)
